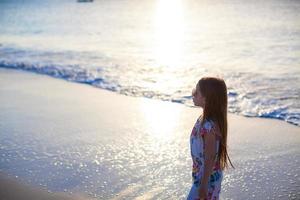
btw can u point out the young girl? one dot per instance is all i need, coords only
(208, 140)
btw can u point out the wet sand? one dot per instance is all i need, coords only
(14, 189)
(73, 138)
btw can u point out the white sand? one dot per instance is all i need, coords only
(73, 138)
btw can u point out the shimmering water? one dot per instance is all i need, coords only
(159, 49)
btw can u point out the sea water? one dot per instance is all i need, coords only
(161, 48)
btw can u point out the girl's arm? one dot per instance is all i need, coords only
(209, 160)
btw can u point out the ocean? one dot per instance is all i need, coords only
(161, 48)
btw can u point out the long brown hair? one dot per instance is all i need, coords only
(214, 91)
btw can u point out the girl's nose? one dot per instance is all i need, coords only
(193, 92)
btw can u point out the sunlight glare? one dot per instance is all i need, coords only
(169, 32)
(158, 119)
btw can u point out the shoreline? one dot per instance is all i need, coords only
(68, 124)
(34, 71)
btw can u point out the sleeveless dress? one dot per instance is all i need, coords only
(197, 153)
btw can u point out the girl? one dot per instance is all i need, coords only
(208, 140)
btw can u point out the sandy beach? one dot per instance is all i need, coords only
(12, 189)
(76, 140)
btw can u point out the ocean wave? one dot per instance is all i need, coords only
(247, 104)
(75, 73)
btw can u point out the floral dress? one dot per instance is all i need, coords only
(197, 153)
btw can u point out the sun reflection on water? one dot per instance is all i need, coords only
(169, 32)
(158, 120)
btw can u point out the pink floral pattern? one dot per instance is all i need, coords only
(197, 153)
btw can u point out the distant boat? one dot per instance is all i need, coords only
(84, 1)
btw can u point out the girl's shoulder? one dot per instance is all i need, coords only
(209, 126)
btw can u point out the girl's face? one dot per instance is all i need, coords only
(198, 99)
